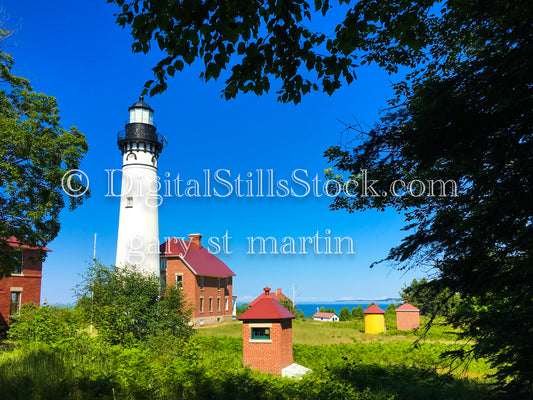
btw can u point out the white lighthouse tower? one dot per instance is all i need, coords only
(138, 227)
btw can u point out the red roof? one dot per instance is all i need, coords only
(13, 242)
(407, 307)
(278, 296)
(373, 309)
(327, 315)
(199, 260)
(266, 308)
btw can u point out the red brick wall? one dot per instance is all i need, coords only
(29, 281)
(191, 288)
(407, 320)
(286, 343)
(268, 357)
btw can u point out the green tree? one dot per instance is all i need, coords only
(357, 312)
(126, 305)
(430, 297)
(327, 310)
(242, 308)
(344, 314)
(289, 305)
(256, 42)
(464, 119)
(35, 153)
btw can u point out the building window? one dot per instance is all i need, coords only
(218, 304)
(163, 278)
(163, 264)
(15, 303)
(226, 283)
(261, 333)
(129, 202)
(227, 303)
(201, 304)
(19, 257)
(201, 283)
(210, 304)
(179, 281)
(218, 284)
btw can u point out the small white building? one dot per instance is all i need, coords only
(325, 316)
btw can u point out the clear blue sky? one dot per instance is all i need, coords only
(74, 51)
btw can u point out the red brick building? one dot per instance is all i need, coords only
(267, 335)
(407, 317)
(24, 284)
(205, 279)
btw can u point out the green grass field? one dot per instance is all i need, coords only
(345, 364)
(307, 331)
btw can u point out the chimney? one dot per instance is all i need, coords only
(195, 240)
(278, 292)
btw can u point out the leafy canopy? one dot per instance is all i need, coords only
(468, 118)
(35, 153)
(253, 42)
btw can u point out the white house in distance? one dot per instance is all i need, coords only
(325, 316)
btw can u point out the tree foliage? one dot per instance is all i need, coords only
(430, 297)
(289, 305)
(126, 305)
(242, 308)
(357, 312)
(467, 117)
(35, 153)
(344, 314)
(257, 41)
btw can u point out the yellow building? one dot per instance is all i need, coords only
(374, 319)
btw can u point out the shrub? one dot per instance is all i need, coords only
(47, 324)
(126, 305)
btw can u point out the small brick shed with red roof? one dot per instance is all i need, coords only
(206, 281)
(278, 296)
(267, 335)
(407, 317)
(24, 285)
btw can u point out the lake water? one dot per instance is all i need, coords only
(310, 308)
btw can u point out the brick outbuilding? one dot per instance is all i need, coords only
(374, 319)
(407, 317)
(24, 284)
(267, 335)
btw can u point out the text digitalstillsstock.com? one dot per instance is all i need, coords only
(261, 183)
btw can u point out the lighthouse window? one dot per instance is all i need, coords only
(179, 281)
(129, 202)
(261, 333)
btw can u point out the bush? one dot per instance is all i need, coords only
(126, 305)
(46, 324)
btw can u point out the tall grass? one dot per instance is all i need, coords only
(211, 368)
